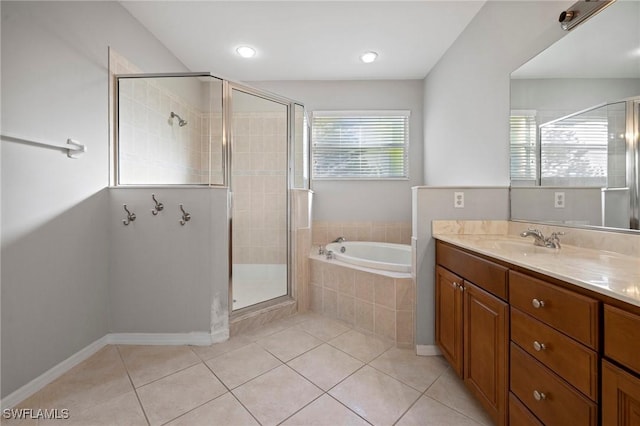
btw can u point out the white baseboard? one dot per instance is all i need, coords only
(53, 373)
(195, 338)
(427, 350)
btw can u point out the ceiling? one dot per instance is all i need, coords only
(307, 40)
(605, 46)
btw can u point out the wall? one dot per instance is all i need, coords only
(582, 206)
(191, 295)
(349, 201)
(466, 95)
(55, 218)
(429, 203)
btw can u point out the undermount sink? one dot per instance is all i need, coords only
(520, 247)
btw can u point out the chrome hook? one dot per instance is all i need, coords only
(130, 216)
(159, 206)
(186, 217)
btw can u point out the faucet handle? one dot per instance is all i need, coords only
(557, 234)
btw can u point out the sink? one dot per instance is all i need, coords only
(525, 248)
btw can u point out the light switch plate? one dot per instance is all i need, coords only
(458, 200)
(559, 200)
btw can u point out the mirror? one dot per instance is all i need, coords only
(574, 125)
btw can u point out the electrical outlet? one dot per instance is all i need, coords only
(559, 200)
(458, 200)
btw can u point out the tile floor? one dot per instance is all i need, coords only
(303, 370)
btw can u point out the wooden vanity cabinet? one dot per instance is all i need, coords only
(621, 384)
(472, 328)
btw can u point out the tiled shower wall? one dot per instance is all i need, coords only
(370, 302)
(259, 174)
(153, 148)
(383, 232)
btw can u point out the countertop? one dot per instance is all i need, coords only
(608, 273)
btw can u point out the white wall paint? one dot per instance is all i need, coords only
(345, 200)
(55, 219)
(466, 107)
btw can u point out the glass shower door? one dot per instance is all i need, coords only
(259, 185)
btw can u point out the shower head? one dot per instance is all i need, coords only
(181, 122)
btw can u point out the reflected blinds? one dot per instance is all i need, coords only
(523, 147)
(360, 145)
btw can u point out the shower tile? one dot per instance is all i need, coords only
(148, 363)
(178, 393)
(325, 366)
(346, 281)
(419, 372)
(330, 276)
(379, 233)
(376, 397)
(364, 347)
(325, 411)
(274, 396)
(316, 299)
(224, 410)
(405, 328)
(289, 343)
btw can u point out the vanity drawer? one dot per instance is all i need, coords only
(556, 403)
(574, 362)
(483, 273)
(622, 337)
(519, 415)
(564, 310)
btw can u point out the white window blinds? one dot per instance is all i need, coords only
(524, 156)
(360, 144)
(573, 150)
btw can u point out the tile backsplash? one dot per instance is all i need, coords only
(324, 232)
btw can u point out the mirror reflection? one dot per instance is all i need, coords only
(574, 125)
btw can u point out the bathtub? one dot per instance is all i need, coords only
(385, 256)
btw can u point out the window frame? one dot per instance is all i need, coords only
(405, 114)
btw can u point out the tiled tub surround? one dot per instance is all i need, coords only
(591, 263)
(324, 232)
(373, 301)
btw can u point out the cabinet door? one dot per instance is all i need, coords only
(449, 317)
(620, 397)
(486, 349)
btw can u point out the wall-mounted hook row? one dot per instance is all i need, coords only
(158, 207)
(186, 217)
(130, 216)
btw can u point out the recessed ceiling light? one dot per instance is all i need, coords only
(368, 57)
(246, 51)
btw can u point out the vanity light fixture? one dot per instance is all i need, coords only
(246, 51)
(368, 57)
(580, 12)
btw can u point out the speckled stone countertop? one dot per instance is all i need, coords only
(605, 272)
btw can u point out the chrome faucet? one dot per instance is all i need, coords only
(339, 240)
(539, 240)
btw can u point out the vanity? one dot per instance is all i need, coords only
(540, 336)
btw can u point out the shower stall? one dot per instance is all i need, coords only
(197, 129)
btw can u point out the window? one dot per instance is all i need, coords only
(524, 155)
(360, 144)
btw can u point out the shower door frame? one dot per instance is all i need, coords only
(228, 88)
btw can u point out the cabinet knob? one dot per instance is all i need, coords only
(455, 284)
(539, 396)
(537, 303)
(539, 346)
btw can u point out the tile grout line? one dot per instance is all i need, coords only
(144, 412)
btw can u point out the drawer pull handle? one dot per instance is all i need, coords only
(539, 346)
(537, 303)
(539, 396)
(455, 285)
